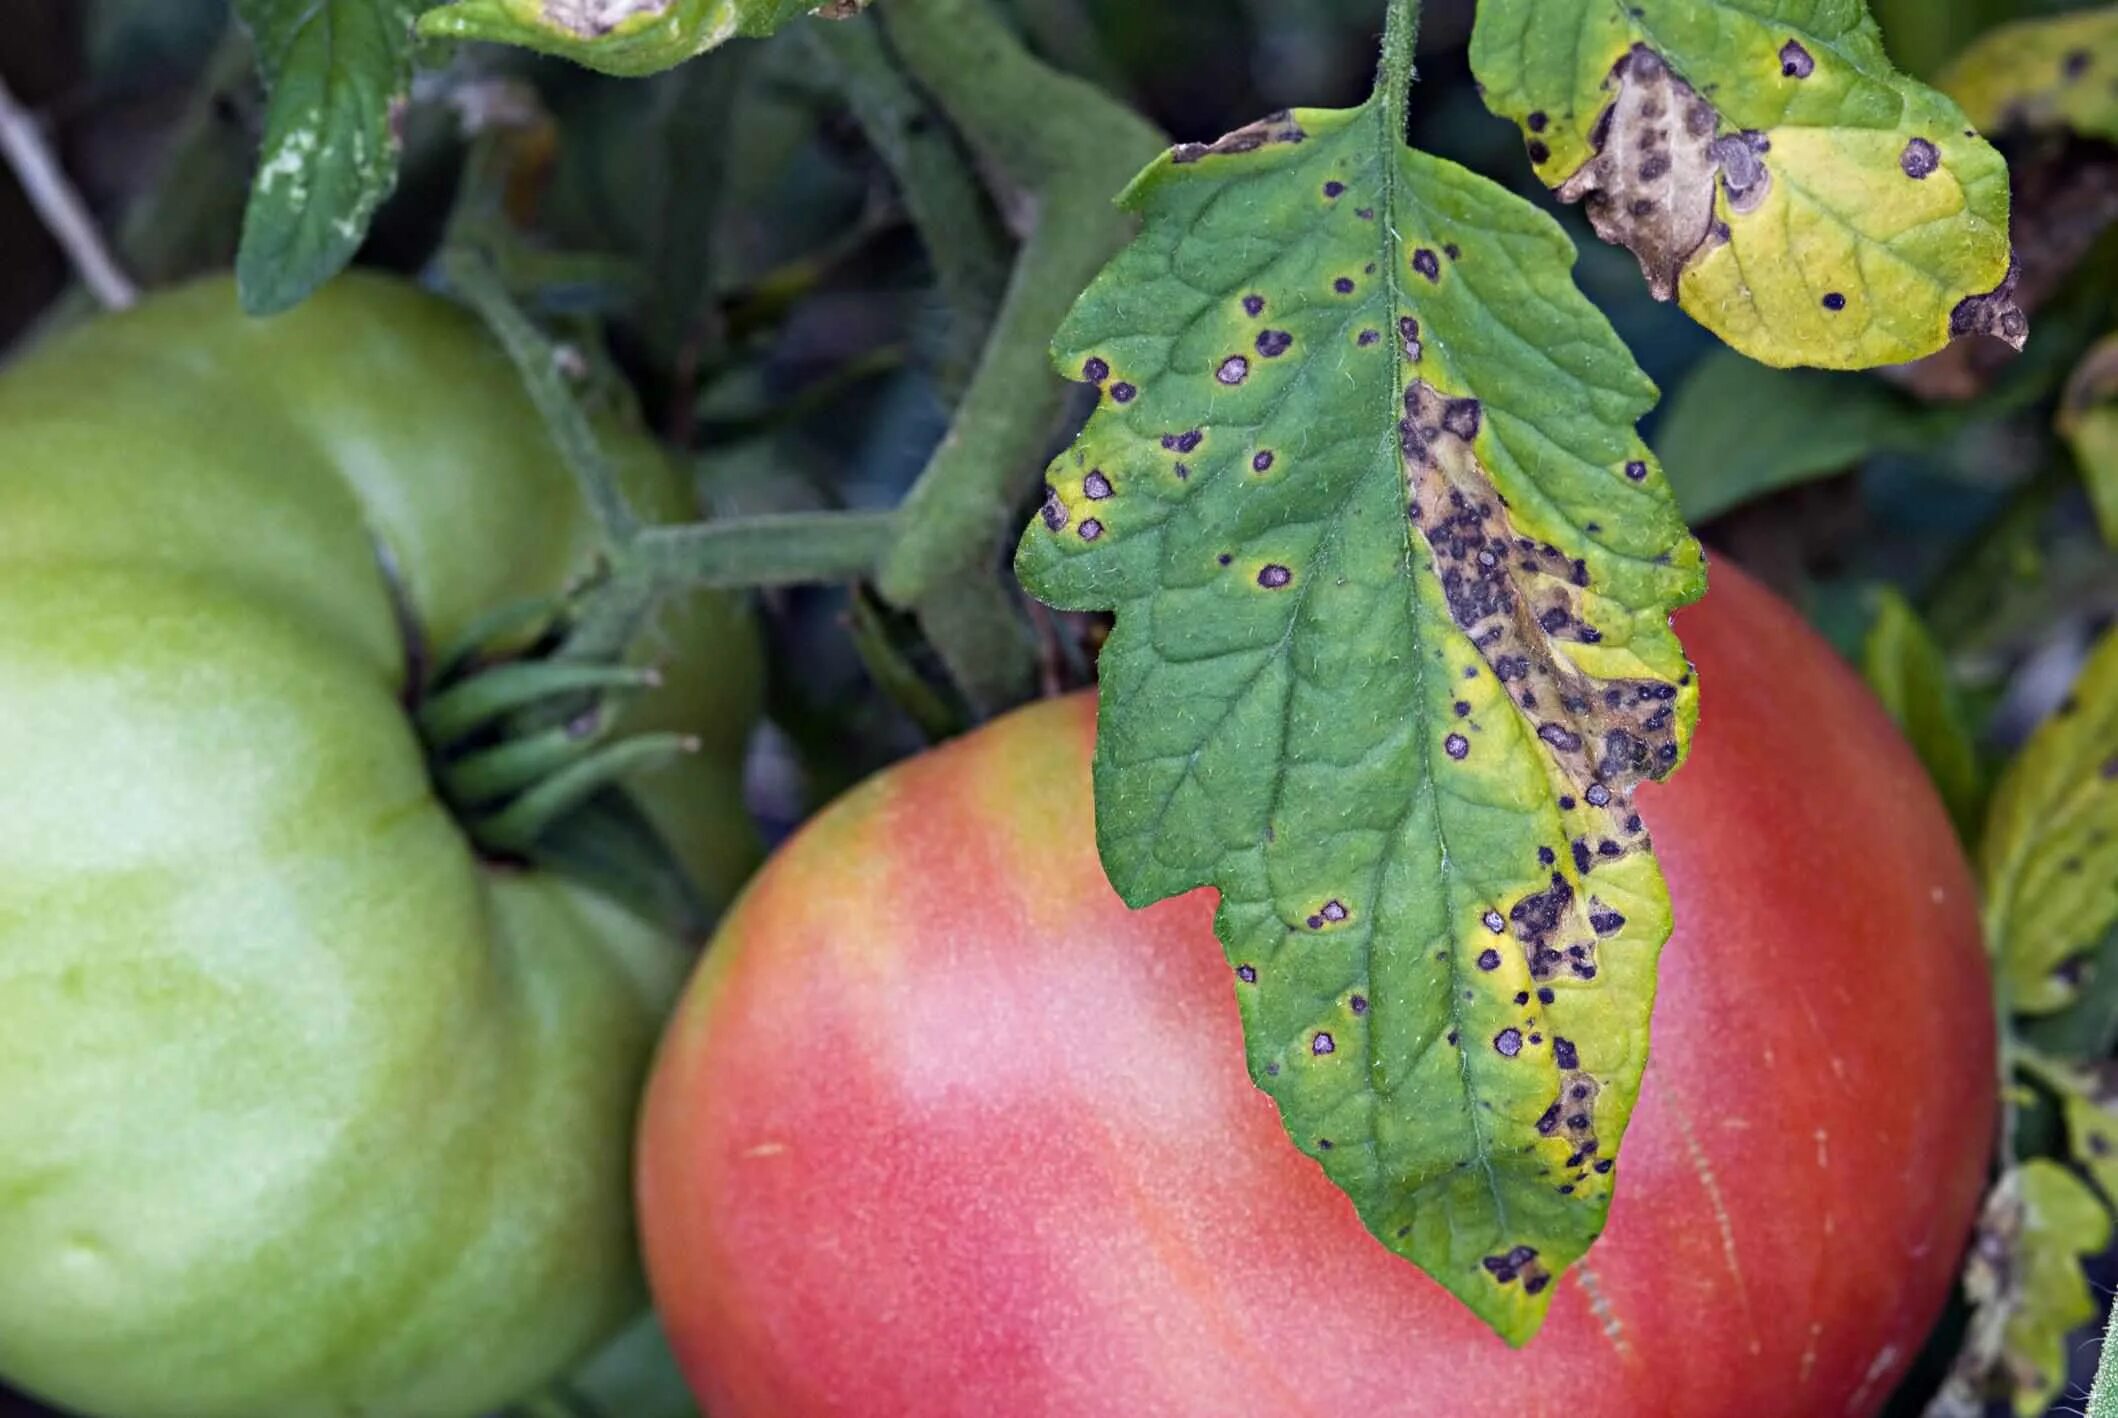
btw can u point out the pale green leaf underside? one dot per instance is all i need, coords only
(628, 37)
(1800, 197)
(2088, 420)
(1335, 373)
(2053, 72)
(1908, 672)
(2050, 853)
(337, 72)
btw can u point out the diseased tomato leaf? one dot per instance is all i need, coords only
(1393, 575)
(627, 37)
(338, 72)
(1798, 196)
(1908, 671)
(2027, 1291)
(2088, 420)
(2049, 858)
(2053, 72)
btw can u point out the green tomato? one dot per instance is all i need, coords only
(306, 1109)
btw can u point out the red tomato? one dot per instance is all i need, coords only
(944, 1129)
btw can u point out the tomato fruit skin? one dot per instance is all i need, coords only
(304, 1108)
(942, 1128)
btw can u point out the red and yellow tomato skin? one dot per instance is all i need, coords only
(944, 1129)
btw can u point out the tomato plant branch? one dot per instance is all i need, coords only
(65, 215)
(1072, 149)
(1400, 45)
(783, 549)
(956, 222)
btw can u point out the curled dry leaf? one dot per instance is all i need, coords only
(1767, 166)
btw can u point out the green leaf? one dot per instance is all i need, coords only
(2088, 420)
(338, 72)
(1800, 197)
(2047, 73)
(1393, 576)
(626, 37)
(1909, 673)
(2027, 1290)
(2050, 855)
(1822, 423)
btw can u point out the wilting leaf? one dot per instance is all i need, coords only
(1909, 673)
(338, 72)
(629, 37)
(1801, 198)
(1393, 575)
(2088, 420)
(2027, 1290)
(2056, 72)
(1820, 423)
(2050, 854)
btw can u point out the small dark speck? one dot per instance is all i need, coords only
(1334, 188)
(1919, 158)
(1096, 486)
(2076, 63)
(1321, 1044)
(1224, 558)
(1489, 959)
(1274, 576)
(1095, 371)
(1248, 974)
(1545, 995)
(1604, 1166)
(1427, 264)
(1189, 440)
(1253, 305)
(1834, 301)
(1598, 795)
(1334, 911)
(1456, 746)
(1262, 462)
(1508, 1043)
(1366, 214)
(1234, 370)
(1534, 1284)
(1274, 343)
(1369, 337)
(1324, 1144)
(1537, 121)
(1545, 856)
(1452, 251)
(1123, 392)
(1359, 1004)
(1452, 1037)
(1343, 285)
(1566, 802)
(1564, 1054)
(1462, 708)
(1091, 529)
(1795, 61)
(1539, 153)
(1636, 470)
(1272, 1070)
(1493, 922)
(2110, 767)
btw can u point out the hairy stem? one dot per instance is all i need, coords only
(1400, 42)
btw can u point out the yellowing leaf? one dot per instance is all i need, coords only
(2088, 420)
(1393, 575)
(629, 37)
(2056, 72)
(1800, 197)
(2027, 1290)
(2050, 854)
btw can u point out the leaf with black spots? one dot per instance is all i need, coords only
(1771, 170)
(2027, 1291)
(626, 37)
(2057, 71)
(338, 72)
(1393, 574)
(2049, 858)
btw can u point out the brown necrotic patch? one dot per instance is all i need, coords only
(1278, 127)
(1994, 313)
(1650, 184)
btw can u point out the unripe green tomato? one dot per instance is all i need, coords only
(305, 1108)
(943, 1129)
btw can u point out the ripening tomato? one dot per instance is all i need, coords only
(943, 1129)
(305, 1108)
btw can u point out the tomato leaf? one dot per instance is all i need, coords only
(2050, 854)
(338, 72)
(2054, 72)
(627, 37)
(2027, 1290)
(1799, 197)
(2088, 420)
(1393, 575)
(1909, 673)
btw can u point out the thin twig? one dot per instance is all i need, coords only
(65, 215)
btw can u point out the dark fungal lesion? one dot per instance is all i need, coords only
(1994, 313)
(1518, 1264)
(1280, 127)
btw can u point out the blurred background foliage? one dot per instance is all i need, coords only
(726, 235)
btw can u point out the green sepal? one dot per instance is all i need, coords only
(1771, 170)
(1364, 490)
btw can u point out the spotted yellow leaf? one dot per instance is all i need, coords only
(2057, 72)
(1769, 168)
(2088, 420)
